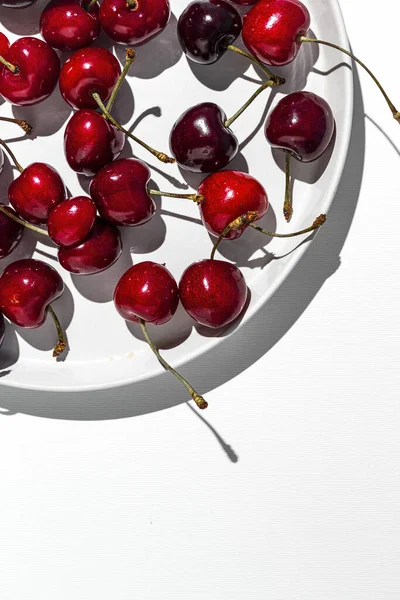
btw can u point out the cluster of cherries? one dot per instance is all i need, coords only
(213, 292)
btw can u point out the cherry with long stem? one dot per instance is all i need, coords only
(276, 80)
(395, 112)
(201, 403)
(246, 105)
(62, 343)
(20, 122)
(251, 216)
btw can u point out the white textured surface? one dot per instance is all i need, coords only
(298, 498)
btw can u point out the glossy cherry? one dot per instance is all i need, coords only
(98, 251)
(134, 22)
(89, 70)
(30, 73)
(70, 24)
(120, 192)
(147, 291)
(200, 141)
(36, 191)
(226, 196)
(91, 142)
(4, 44)
(10, 234)
(27, 287)
(271, 30)
(206, 28)
(213, 292)
(71, 221)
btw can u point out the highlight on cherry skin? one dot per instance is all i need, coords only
(70, 24)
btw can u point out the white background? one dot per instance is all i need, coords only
(287, 488)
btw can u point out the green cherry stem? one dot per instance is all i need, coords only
(13, 68)
(395, 112)
(160, 155)
(61, 345)
(129, 60)
(288, 202)
(198, 198)
(12, 155)
(241, 110)
(241, 221)
(275, 78)
(319, 221)
(4, 210)
(20, 122)
(201, 403)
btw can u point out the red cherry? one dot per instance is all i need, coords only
(134, 22)
(97, 252)
(32, 72)
(10, 234)
(147, 291)
(226, 196)
(120, 192)
(36, 191)
(4, 44)
(271, 28)
(71, 221)
(27, 287)
(91, 142)
(213, 292)
(68, 25)
(89, 70)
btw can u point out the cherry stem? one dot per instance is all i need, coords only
(129, 60)
(194, 197)
(201, 403)
(61, 345)
(263, 87)
(132, 4)
(288, 203)
(13, 68)
(275, 78)
(249, 218)
(17, 219)
(90, 5)
(160, 155)
(395, 112)
(23, 124)
(12, 155)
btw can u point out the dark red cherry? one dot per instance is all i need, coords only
(10, 233)
(71, 221)
(36, 191)
(199, 140)
(120, 192)
(213, 292)
(206, 28)
(301, 123)
(4, 44)
(89, 70)
(134, 22)
(271, 29)
(32, 73)
(97, 252)
(27, 287)
(69, 24)
(2, 329)
(91, 142)
(147, 291)
(228, 195)
(16, 3)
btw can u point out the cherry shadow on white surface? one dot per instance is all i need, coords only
(248, 345)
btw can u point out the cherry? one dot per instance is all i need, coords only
(227, 195)
(4, 44)
(89, 70)
(98, 251)
(35, 191)
(134, 22)
(29, 71)
(70, 24)
(213, 292)
(27, 287)
(10, 233)
(201, 139)
(274, 30)
(71, 221)
(91, 142)
(2, 329)
(147, 293)
(302, 125)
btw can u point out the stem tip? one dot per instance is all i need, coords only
(201, 403)
(59, 349)
(287, 210)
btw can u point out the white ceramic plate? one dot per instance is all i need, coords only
(104, 351)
